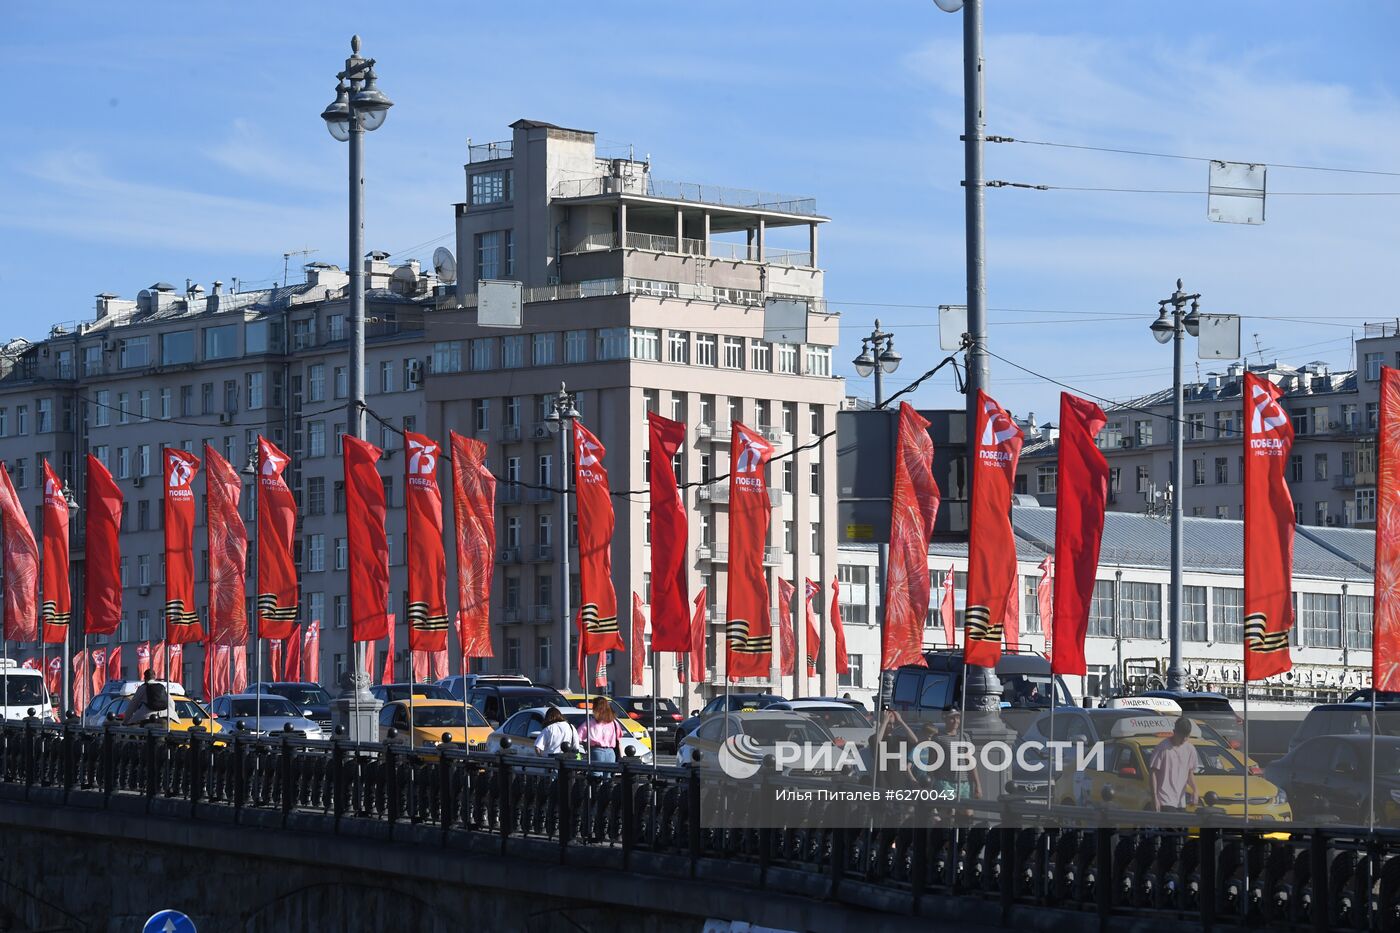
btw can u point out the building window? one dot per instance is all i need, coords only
(134, 353)
(1319, 617)
(177, 348)
(1357, 622)
(491, 254)
(342, 553)
(760, 356)
(316, 382)
(612, 343)
(341, 610)
(492, 187)
(542, 349)
(1193, 616)
(787, 358)
(576, 346)
(856, 677)
(1195, 425)
(1374, 362)
(733, 353)
(1320, 467)
(447, 356)
(1144, 479)
(1045, 478)
(483, 353)
(818, 361)
(1227, 615)
(706, 352)
(221, 343)
(1295, 468)
(1140, 610)
(855, 593)
(1225, 424)
(1320, 513)
(1142, 433)
(482, 415)
(1222, 470)
(315, 553)
(1198, 472)
(646, 343)
(513, 351)
(1030, 603)
(677, 346)
(1101, 609)
(316, 495)
(342, 382)
(315, 438)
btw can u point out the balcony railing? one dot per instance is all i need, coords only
(715, 249)
(647, 186)
(488, 152)
(543, 612)
(685, 291)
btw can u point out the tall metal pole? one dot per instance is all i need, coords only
(565, 423)
(978, 372)
(1176, 675)
(355, 407)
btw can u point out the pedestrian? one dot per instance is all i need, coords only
(1173, 769)
(151, 699)
(950, 782)
(601, 734)
(556, 733)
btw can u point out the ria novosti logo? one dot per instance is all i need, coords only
(741, 757)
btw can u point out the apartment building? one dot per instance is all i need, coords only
(1331, 471)
(639, 294)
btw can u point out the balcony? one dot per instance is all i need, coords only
(510, 432)
(543, 612)
(509, 555)
(718, 493)
(508, 492)
(490, 152)
(718, 250)
(772, 556)
(510, 614)
(542, 552)
(646, 186)
(541, 495)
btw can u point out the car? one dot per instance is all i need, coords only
(638, 731)
(264, 714)
(846, 723)
(734, 702)
(937, 685)
(1073, 725)
(764, 729)
(1346, 719)
(459, 684)
(660, 715)
(388, 693)
(498, 702)
(1212, 708)
(1328, 778)
(426, 722)
(1124, 783)
(516, 736)
(112, 699)
(180, 716)
(24, 690)
(1383, 696)
(849, 701)
(311, 698)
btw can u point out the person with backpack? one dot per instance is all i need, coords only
(150, 699)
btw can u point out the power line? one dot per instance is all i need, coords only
(1189, 158)
(1192, 191)
(129, 415)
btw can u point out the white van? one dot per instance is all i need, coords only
(24, 690)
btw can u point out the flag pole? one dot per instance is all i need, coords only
(1373, 748)
(1244, 901)
(412, 683)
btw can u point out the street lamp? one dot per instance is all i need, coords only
(878, 357)
(560, 419)
(1172, 324)
(359, 106)
(71, 501)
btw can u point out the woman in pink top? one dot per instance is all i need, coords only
(601, 733)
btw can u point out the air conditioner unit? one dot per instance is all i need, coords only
(144, 590)
(540, 431)
(225, 417)
(1126, 442)
(109, 345)
(138, 481)
(510, 555)
(415, 372)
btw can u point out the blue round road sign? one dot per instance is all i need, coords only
(169, 921)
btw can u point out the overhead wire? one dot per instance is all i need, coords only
(1191, 158)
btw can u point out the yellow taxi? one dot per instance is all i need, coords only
(1125, 784)
(179, 715)
(431, 720)
(633, 727)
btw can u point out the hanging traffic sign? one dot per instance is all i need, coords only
(168, 921)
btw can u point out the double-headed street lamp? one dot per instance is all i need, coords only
(559, 421)
(878, 357)
(359, 106)
(1173, 323)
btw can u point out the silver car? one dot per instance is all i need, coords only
(263, 714)
(522, 728)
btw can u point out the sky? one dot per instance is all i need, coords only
(171, 141)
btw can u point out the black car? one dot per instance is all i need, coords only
(661, 717)
(737, 702)
(388, 693)
(1021, 679)
(312, 699)
(498, 702)
(1384, 696)
(458, 684)
(1328, 778)
(1346, 719)
(1212, 708)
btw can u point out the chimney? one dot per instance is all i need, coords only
(218, 287)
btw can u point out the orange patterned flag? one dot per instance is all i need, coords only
(748, 627)
(991, 550)
(56, 611)
(1385, 641)
(277, 572)
(473, 510)
(914, 508)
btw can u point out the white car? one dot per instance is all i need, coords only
(23, 690)
(849, 725)
(516, 736)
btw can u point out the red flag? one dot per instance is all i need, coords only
(1011, 624)
(291, 656)
(57, 607)
(102, 580)
(210, 652)
(277, 521)
(238, 680)
(143, 661)
(1044, 598)
(99, 670)
(787, 634)
(369, 546)
(175, 665)
(387, 676)
(838, 630)
(181, 620)
(82, 685)
(748, 628)
(1385, 638)
(420, 664)
(638, 647)
(369, 659)
(1079, 509)
(1268, 531)
(311, 651)
(228, 551)
(600, 678)
(693, 671)
(274, 659)
(53, 679)
(670, 583)
(427, 562)
(813, 591)
(914, 508)
(948, 607)
(991, 564)
(21, 566)
(114, 663)
(30, 664)
(473, 511)
(597, 599)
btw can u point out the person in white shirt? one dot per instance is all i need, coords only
(555, 734)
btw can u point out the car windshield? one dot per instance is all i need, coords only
(760, 701)
(1030, 691)
(19, 690)
(303, 695)
(425, 717)
(188, 709)
(772, 731)
(839, 718)
(269, 706)
(426, 691)
(1214, 760)
(517, 702)
(1204, 705)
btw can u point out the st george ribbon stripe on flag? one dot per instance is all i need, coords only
(1082, 472)
(748, 626)
(597, 616)
(991, 570)
(1268, 531)
(427, 560)
(277, 573)
(181, 619)
(228, 551)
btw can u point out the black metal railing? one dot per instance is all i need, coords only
(1335, 879)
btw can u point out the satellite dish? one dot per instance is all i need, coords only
(445, 265)
(404, 280)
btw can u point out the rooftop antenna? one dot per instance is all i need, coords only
(286, 260)
(1258, 349)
